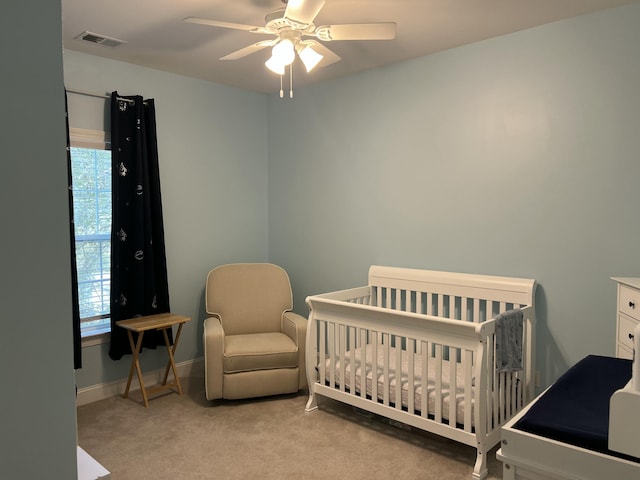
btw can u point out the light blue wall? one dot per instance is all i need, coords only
(37, 403)
(213, 172)
(515, 156)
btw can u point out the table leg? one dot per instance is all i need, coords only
(135, 363)
(173, 352)
(171, 364)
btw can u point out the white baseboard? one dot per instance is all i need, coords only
(101, 391)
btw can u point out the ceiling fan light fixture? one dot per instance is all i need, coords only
(283, 52)
(274, 65)
(309, 57)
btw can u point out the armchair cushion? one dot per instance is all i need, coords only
(259, 351)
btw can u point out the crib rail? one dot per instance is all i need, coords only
(450, 284)
(459, 357)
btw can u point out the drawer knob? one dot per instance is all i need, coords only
(632, 305)
(631, 336)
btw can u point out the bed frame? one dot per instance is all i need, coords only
(428, 321)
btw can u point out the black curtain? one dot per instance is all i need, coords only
(139, 283)
(75, 308)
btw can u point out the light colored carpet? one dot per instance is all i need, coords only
(272, 438)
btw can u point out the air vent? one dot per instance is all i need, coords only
(98, 39)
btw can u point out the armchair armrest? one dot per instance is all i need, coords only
(213, 340)
(295, 327)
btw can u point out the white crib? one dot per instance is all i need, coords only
(436, 332)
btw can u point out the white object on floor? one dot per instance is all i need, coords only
(89, 468)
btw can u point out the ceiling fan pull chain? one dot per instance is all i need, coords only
(281, 90)
(291, 81)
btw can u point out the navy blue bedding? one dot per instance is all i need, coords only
(575, 409)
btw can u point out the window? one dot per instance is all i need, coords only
(91, 180)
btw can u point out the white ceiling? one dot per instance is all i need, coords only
(158, 38)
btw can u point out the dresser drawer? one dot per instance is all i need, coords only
(625, 329)
(629, 302)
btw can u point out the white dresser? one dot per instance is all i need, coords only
(628, 314)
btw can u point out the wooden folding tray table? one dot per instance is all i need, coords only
(139, 325)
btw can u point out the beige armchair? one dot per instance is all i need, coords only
(253, 342)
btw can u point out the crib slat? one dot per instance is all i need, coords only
(341, 351)
(453, 383)
(429, 303)
(476, 310)
(514, 396)
(511, 395)
(507, 397)
(363, 363)
(463, 308)
(438, 389)
(500, 401)
(385, 369)
(322, 344)
(411, 386)
(379, 298)
(352, 338)
(519, 394)
(491, 381)
(468, 388)
(374, 366)
(495, 385)
(452, 307)
(505, 410)
(398, 373)
(424, 411)
(496, 398)
(332, 354)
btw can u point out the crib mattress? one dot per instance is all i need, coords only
(456, 392)
(575, 409)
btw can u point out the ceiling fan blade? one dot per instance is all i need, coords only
(243, 52)
(329, 57)
(357, 31)
(303, 11)
(216, 23)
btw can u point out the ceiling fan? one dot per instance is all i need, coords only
(295, 32)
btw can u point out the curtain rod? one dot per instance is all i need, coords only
(97, 95)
